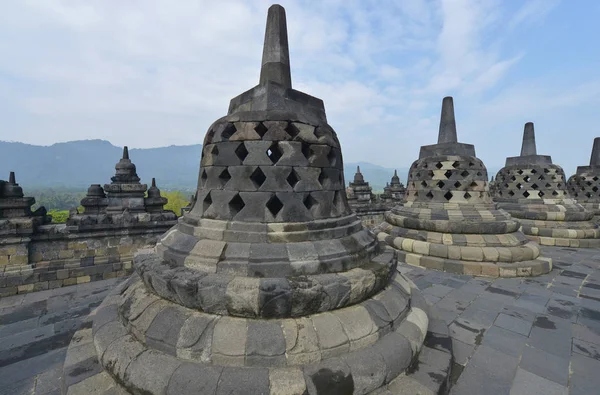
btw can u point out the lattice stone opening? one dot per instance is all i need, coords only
(206, 202)
(520, 172)
(236, 204)
(588, 194)
(224, 177)
(457, 184)
(526, 178)
(261, 129)
(546, 171)
(292, 130)
(464, 173)
(519, 186)
(274, 153)
(258, 177)
(241, 151)
(430, 173)
(595, 178)
(228, 131)
(215, 150)
(595, 189)
(274, 205)
(203, 177)
(473, 184)
(513, 178)
(541, 194)
(448, 174)
(554, 193)
(429, 195)
(440, 184)
(456, 164)
(511, 193)
(471, 164)
(309, 202)
(293, 179)
(534, 186)
(423, 184)
(332, 158)
(526, 194)
(448, 195)
(467, 195)
(533, 171)
(306, 151)
(439, 165)
(323, 177)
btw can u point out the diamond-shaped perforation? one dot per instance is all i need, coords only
(519, 185)
(323, 177)
(456, 165)
(440, 184)
(306, 151)
(457, 184)
(473, 184)
(241, 152)
(224, 177)
(464, 173)
(448, 195)
(215, 150)
(534, 186)
(471, 164)
(533, 171)
(292, 130)
(511, 193)
(467, 195)
(430, 173)
(274, 205)
(309, 202)
(526, 194)
(429, 195)
(293, 178)
(332, 158)
(595, 178)
(423, 183)
(236, 204)
(546, 171)
(526, 178)
(513, 178)
(228, 132)
(203, 177)
(258, 177)
(595, 189)
(541, 194)
(206, 202)
(520, 171)
(274, 153)
(439, 165)
(448, 173)
(554, 193)
(261, 129)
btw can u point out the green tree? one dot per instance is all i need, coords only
(59, 216)
(177, 200)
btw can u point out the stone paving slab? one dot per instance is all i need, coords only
(538, 335)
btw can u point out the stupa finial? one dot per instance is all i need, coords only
(276, 53)
(125, 152)
(11, 178)
(395, 173)
(528, 148)
(358, 169)
(447, 122)
(595, 158)
(153, 182)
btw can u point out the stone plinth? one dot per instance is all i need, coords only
(533, 190)
(269, 284)
(448, 220)
(584, 185)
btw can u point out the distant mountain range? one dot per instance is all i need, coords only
(77, 164)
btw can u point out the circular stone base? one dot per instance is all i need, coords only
(128, 364)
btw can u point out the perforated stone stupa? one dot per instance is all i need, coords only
(16, 217)
(360, 193)
(448, 220)
(533, 189)
(584, 185)
(269, 284)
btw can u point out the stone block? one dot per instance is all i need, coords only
(191, 378)
(229, 341)
(331, 335)
(266, 344)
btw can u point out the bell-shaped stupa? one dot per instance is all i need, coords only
(534, 190)
(584, 185)
(269, 284)
(448, 220)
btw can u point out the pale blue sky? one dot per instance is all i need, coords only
(155, 73)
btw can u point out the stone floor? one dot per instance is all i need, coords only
(511, 336)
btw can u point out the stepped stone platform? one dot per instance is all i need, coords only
(584, 185)
(269, 284)
(534, 190)
(448, 220)
(518, 335)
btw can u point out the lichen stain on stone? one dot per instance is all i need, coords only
(544, 322)
(328, 382)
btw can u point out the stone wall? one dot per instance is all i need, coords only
(55, 256)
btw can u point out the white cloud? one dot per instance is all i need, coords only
(154, 73)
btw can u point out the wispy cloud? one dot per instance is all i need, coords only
(154, 73)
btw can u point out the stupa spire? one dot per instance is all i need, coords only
(595, 158)
(11, 178)
(276, 53)
(447, 122)
(125, 152)
(528, 148)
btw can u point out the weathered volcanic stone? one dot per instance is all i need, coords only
(269, 283)
(448, 220)
(534, 190)
(584, 185)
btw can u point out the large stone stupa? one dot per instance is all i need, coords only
(448, 220)
(269, 284)
(533, 189)
(584, 185)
